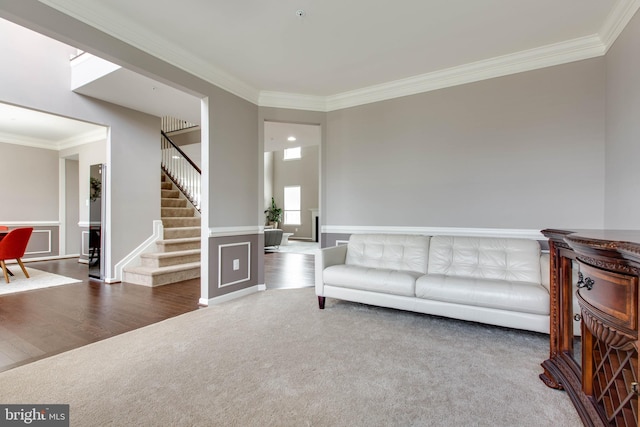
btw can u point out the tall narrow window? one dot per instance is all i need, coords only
(292, 153)
(292, 205)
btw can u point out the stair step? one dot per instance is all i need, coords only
(152, 276)
(181, 232)
(173, 245)
(173, 222)
(173, 203)
(165, 259)
(166, 185)
(173, 194)
(173, 212)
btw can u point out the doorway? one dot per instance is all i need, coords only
(292, 177)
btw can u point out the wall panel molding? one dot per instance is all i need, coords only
(47, 240)
(244, 264)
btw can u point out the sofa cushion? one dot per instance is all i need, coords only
(485, 258)
(491, 293)
(389, 251)
(383, 280)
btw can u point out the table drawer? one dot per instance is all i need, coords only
(613, 294)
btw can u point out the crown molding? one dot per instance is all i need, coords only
(84, 138)
(617, 20)
(542, 57)
(292, 100)
(545, 56)
(554, 54)
(94, 15)
(9, 138)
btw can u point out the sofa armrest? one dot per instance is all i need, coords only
(545, 273)
(327, 257)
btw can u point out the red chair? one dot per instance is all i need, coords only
(13, 246)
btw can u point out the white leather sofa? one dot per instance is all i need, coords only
(497, 281)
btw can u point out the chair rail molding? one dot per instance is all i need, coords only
(55, 223)
(433, 231)
(235, 231)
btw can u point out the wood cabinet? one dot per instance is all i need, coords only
(599, 368)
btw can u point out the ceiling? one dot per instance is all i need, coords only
(337, 54)
(277, 134)
(264, 52)
(38, 129)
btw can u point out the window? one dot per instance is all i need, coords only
(292, 205)
(292, 153)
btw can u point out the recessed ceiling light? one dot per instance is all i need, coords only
(291, 138)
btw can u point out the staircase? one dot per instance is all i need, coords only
(178, 255)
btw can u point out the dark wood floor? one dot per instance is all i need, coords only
(288, 270)
(41, 323)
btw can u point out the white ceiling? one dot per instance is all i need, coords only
(37, 129)
(340, 53)
(276, 135)
(264, 52)
(132, 90)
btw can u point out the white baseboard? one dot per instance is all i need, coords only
(133, 258)
(232, 295)
(46, 258)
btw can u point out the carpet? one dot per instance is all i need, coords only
(274, 359)
(38, 279)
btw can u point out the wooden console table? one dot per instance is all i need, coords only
(599, 370)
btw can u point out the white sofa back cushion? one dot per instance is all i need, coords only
(389, 251)
(485, 258)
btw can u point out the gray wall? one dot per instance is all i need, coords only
(230, 177)
(30, 182)
(30, 196)
(522, 151)
(623, 130)
(490, 154)
(133, 153)
(233, 178)
(305, 173)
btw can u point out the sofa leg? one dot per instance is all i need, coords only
(321, 302)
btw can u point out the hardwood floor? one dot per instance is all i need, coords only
(288, 270)
(41, 323)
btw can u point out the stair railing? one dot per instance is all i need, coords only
(171, 124)
(185, 174)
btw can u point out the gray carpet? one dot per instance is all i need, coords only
(274, 359)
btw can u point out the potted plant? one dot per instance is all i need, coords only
(274, 214)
